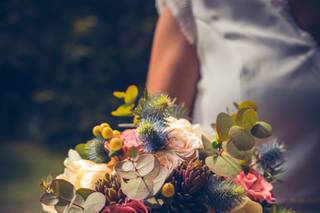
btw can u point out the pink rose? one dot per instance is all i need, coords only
(256, 187)
(130, 139)
(130, 206)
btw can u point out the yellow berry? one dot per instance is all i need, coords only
(96, 131)
(107, 133)
(248, 104)
(104, 125)
(115, 144)
(116, 132)
(167, 190)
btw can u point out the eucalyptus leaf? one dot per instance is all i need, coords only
(247, 118)
(233, 151)
(126, 170)
(49, 199)
(208, 146)
(223, 166)
(159, 180)
(155, 172)
(223, 124)
(241, 138)
(137, 189)
(145, 164)
(66, 209)
(84, 192)
(133, 153)
(79, 200)
(63, 189)
(94, 203)
(261, 130)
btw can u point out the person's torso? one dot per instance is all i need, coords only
(248, 50)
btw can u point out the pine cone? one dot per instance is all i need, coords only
(110, 186)
(189, 180)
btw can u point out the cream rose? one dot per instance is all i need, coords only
(82, 173)
(184, 138)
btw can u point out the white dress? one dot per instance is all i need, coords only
(248, 49)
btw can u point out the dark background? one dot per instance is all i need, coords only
(59, 63)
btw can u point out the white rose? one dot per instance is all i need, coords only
(82, 173)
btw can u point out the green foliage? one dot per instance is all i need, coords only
(223, 195)
(261, 130)
(223, 124)
(223, 165)
(241, 138)
(236, 139)
(93, 150)
(142, 177)
(63, 196)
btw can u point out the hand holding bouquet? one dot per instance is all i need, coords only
(162, 163)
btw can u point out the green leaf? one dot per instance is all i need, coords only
(223, 124)
(208, 146)
(94, 203)
(145, 164)
(233, 151)
(155, 172)
(125, 169)
(261, 130)
(241, 138)
(84, 192)
(159, 180)
(223, 165)
(63, 189)
(247, 118)
(133, 153)
(49, 199)
(138, 188)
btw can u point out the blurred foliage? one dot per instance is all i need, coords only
(61, 60)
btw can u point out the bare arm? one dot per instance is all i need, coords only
(173, 67)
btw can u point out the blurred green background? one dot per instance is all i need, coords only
(60, 62)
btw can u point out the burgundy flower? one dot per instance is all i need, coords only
(130, 206)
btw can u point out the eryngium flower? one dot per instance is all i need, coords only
(152, 132)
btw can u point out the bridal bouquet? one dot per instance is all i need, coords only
(160, 162)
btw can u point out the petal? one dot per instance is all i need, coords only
(131, 94)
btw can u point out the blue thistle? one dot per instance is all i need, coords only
(271, 157)
(224, 195)
(160, 106)
(152, 132)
